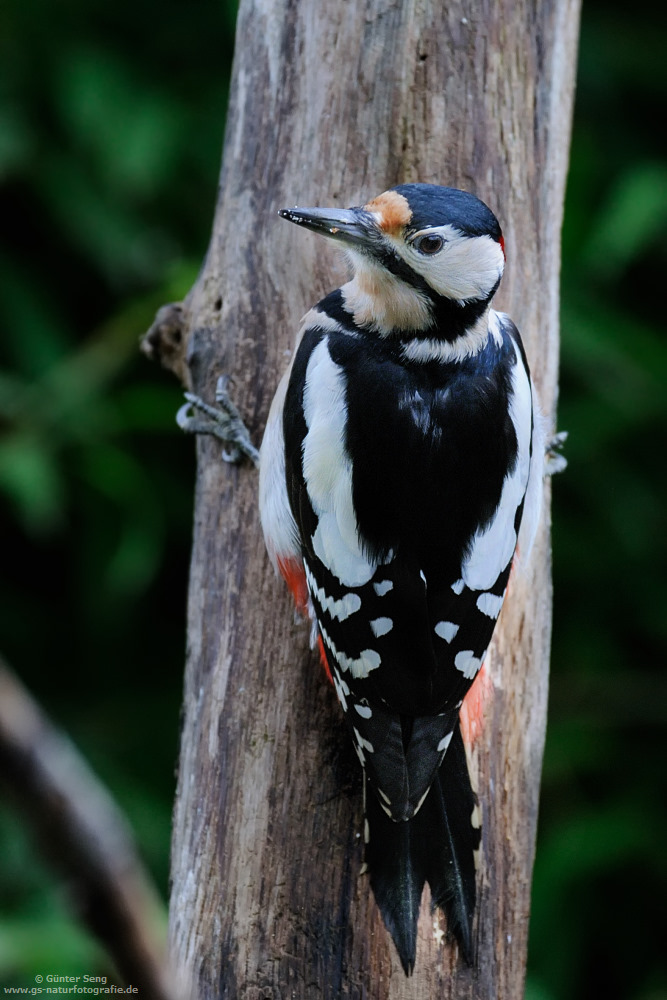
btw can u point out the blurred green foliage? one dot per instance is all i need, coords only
(111, 119)
(601, 867)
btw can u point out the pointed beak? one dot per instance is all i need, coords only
(353, 226)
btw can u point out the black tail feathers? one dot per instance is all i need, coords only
(435, 846)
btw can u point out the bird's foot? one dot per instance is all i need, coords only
(222, 421)
(553, 460)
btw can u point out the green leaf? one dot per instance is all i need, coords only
(631, 220)
(32, 480)
(131, 130)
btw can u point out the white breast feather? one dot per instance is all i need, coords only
(281, 534)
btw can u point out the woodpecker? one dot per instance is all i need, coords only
(401, 459)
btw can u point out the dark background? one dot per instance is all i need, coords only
(111, 119)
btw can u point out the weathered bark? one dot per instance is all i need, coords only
(331, 103)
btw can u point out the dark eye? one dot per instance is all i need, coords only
(429, 244)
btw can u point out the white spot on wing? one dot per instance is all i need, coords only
(467, 663)
(360, 666)
(444, 742)
(458, 587)
(361, 742)
(364, 711)
(346, 606)
(383, 587)
(340, 609)
(381, 626)
(490, 604)
(384, 796)
(446, 630)
(342, 689)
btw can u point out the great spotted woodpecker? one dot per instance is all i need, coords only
(401, 457)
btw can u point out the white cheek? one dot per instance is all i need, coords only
(466, 269)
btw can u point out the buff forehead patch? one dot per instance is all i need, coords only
(392, 209)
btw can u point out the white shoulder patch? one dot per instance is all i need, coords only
(327, 471)
(281, 534)
(534, 492)
(492, 548)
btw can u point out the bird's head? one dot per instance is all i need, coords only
(436, 243)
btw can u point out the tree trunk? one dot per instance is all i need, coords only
(331, 103)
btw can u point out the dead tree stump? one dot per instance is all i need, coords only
(331, 103)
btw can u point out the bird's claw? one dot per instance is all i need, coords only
(553, 460)
(222, 421)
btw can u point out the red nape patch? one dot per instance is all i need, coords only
(294, 575)
(323, 657)
(474, 707)
(502, 245)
